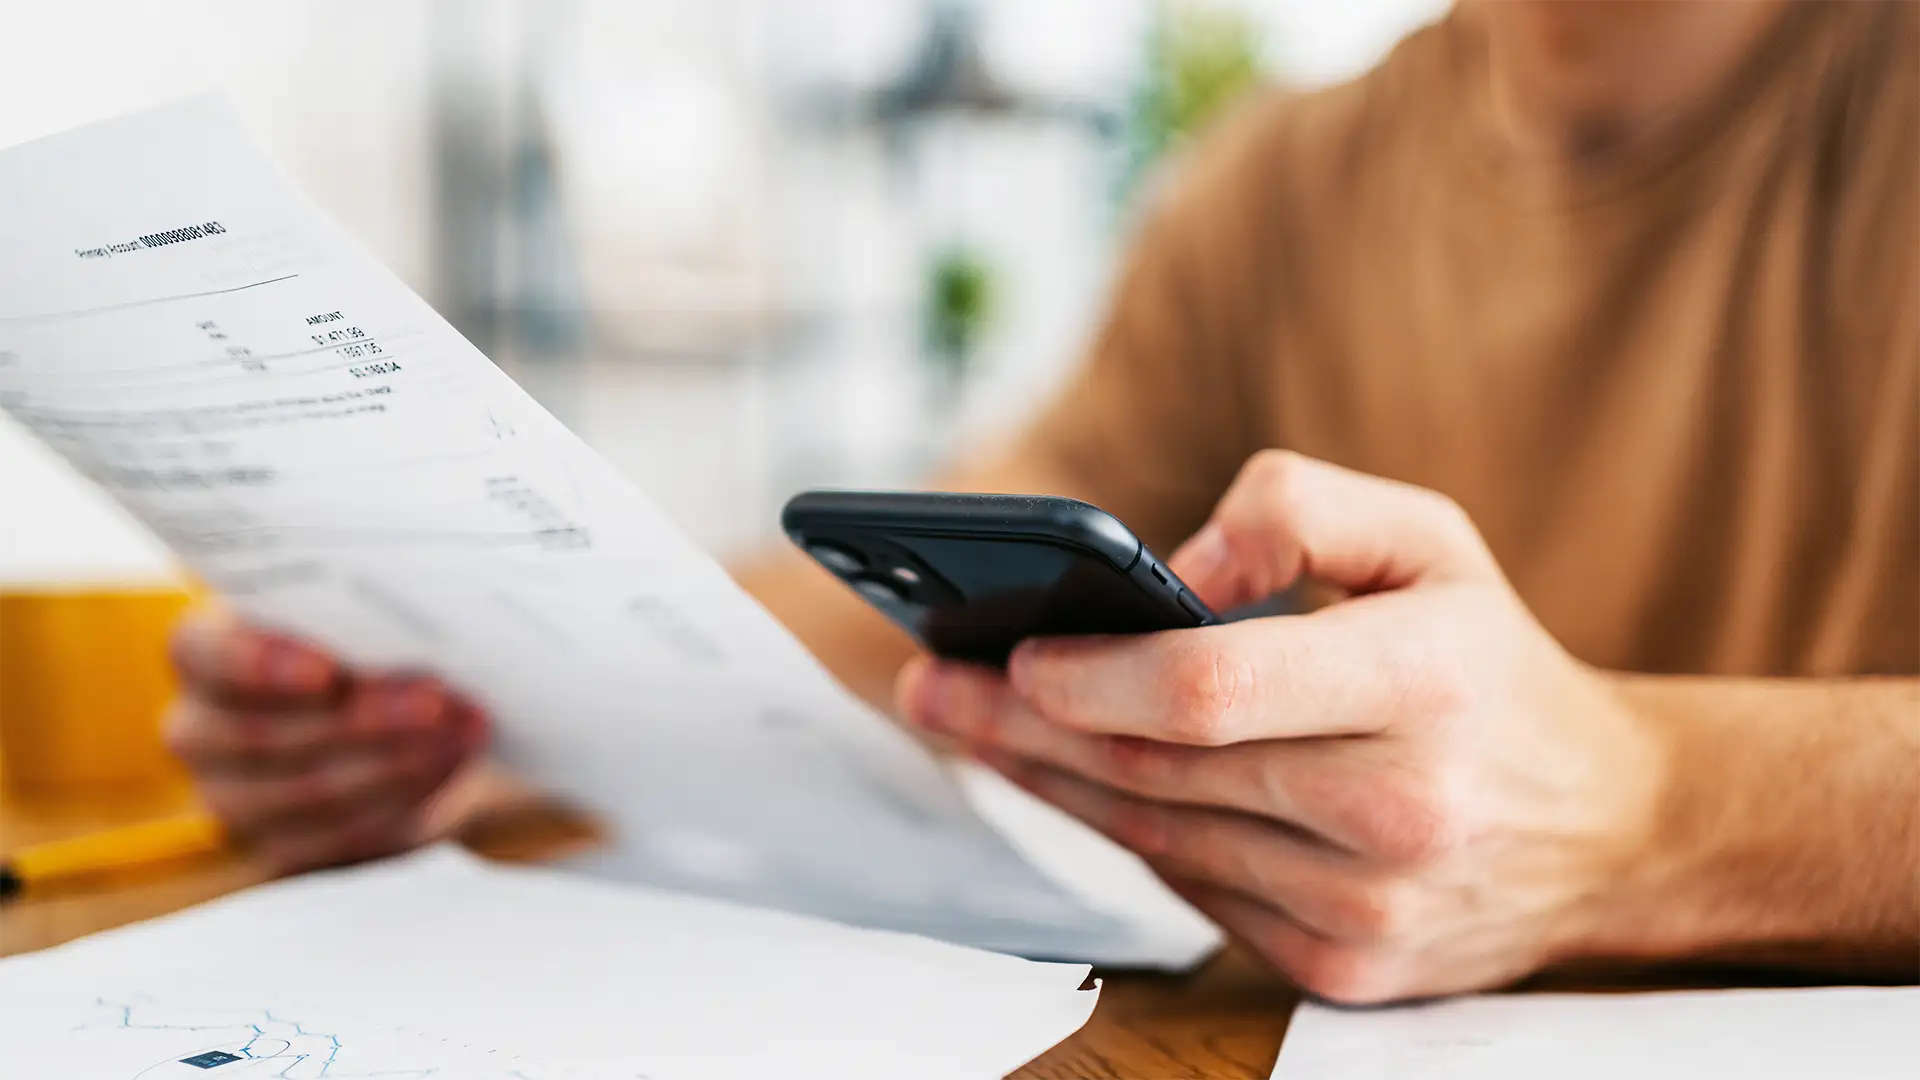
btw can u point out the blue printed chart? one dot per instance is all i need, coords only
(196, 1036)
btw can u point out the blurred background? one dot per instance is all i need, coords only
(742, 247)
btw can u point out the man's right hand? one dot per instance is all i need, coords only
(307, 762)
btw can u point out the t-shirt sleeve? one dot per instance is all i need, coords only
(1155, 421)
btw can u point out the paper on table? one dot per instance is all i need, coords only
(330, 455)
(1146, 926)
(1156, 927)
(553, 975)
(1853, 1032)
(74, 1032)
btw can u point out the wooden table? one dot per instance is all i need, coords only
(1225, 1020)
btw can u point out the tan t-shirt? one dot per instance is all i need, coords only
(1680, 396)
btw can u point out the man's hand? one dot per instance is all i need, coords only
(306, 762)
(1412, 792)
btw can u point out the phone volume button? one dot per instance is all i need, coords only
(1160, 572)
(1193, 605)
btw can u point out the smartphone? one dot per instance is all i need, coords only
(971, 576)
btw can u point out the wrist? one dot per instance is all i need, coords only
(1644, 902)
(1712, 876)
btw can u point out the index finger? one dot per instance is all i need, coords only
(221, 658)
(1287, 677)
(1287, 517)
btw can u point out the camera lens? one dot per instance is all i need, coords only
(836, 558)
(879, 590)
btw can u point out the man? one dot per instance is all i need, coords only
(1575, 353)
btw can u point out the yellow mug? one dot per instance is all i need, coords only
(84, 685)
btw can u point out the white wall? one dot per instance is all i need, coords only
(336, 90)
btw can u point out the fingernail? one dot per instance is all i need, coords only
(410, 705)
(294, 669)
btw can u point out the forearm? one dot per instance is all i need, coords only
(1791, 830)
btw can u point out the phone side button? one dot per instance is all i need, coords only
(1159, 573)
(1193, 605)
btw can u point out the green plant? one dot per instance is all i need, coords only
(959, 304)
(1199, 58)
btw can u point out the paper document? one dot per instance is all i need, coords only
(332, 457)
(439, 965)
(1854, 1032)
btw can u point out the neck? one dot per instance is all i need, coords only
(1569, 82)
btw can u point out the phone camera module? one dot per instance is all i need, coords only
(880, 591)
(837, 559)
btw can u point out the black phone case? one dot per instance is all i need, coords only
(831, 517)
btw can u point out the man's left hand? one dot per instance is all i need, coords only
(1414, 791)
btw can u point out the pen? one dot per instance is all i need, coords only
(112, 849)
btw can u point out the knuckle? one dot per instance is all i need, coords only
(1374, 911)
(1206, 684)
(1443, 509)
(1343, 974)
(1451, 522)
(1278, 480)
(1272, 468)
(1412, 822)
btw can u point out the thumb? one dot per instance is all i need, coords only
(1288, 517)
